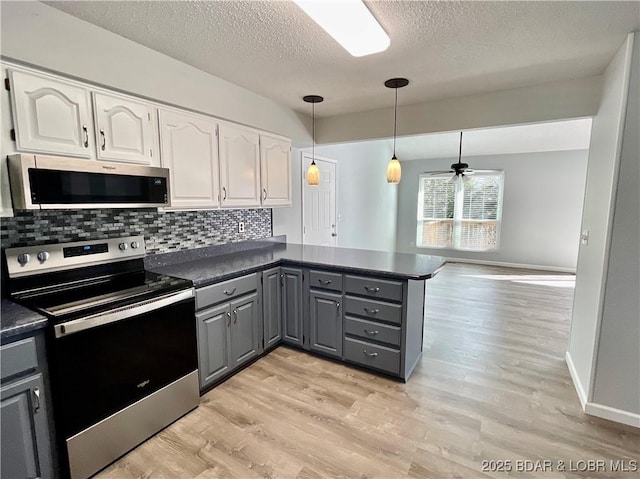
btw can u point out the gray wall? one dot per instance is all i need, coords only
(542, 207)
(604, 158)
(617, 376)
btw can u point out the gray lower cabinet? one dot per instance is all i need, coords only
(24, 423)
(325, 323)
(272, 281)
(244, 329)
(214, 338)
(292, 311)
(230, 327)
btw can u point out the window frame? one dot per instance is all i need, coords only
(457, 221)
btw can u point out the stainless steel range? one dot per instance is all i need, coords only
(121, 345)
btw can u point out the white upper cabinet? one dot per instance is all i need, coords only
(51, 116)
(189, 148)
(275, 171)
(124, 129)
(239, 167)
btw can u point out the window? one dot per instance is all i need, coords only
(462, 215)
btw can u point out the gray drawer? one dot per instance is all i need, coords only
(325, 280)
(371, 355)
(216, 293)
(18, 357)
(372, 309)
(374, 288)
(374, 331)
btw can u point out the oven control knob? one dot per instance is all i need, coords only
(43, 256)
(23, 258)
(135, 244)
(123, 246)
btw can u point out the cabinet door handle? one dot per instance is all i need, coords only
(371, 355)
(36, 399)
(229, 293)
(325, 282)
(371, 333)
(338, 305)
(235, 316)
(104, 140)
(224, 190)
(371, 311)
(264, 194)
(372, 290)
(228, 319)
(282, 279)
(86, 136)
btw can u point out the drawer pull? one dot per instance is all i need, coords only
(229, 293)
(325, 282)
(370, 355)
(371, 311)
(36, 399)
(371, 333)
(372, 290)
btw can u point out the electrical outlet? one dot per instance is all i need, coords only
(240, 226)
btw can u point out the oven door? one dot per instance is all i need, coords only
(106, 362)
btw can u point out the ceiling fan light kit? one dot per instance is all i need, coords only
(350, 23)
(313, 173)
(394, 170)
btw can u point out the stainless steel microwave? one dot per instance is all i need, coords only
(41, 182)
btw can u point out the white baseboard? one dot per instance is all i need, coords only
(613, 414)
(582, 395)
(558, 269)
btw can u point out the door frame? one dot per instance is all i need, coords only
(305, 155)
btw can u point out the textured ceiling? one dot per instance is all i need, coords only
(445, 48)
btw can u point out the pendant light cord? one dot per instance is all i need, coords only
(395, 116)
(313, 133)
(460, 151)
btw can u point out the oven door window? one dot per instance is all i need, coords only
(100, 371)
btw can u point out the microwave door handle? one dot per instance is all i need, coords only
(100, 319)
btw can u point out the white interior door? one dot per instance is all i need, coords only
(319, 204)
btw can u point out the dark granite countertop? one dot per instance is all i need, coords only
(16, 319)
(203, 269)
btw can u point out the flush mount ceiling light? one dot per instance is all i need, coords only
(313, 173)
(394, 171)
(350, 23)
(460, 168)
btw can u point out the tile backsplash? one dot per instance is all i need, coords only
(163, 231)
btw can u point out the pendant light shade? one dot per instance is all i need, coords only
(313, 173)
(394, 170)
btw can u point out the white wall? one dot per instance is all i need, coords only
(42, 36)
(542, 207)
(617, 374)
(604, 160)
(366, 202)
(537, 103)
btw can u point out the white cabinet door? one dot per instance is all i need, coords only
(190, 150)
(51, 116)
(124, 129)
(275, 171)
(239, 167)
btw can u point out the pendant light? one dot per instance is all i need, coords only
(313, 173)
(394, 171)
(459, 168)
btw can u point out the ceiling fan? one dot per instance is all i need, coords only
(460, 169)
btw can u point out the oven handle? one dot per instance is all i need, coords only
(89, 322)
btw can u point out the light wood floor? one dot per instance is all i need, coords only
(492, 385)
